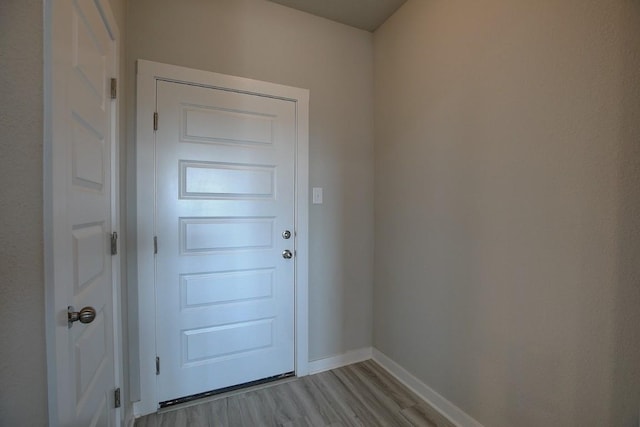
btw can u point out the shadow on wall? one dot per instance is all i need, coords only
(626, 352)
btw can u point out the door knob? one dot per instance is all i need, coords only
(286, 254)
(86, 315)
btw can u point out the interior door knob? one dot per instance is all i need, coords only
(86, 315)
(286, 254)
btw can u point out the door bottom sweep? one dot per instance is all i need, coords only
(173, 402)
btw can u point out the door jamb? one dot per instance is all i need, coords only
(143, 313)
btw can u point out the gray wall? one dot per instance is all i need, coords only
(265, 41)
(507, 206)
(23, 390)
(23, 387)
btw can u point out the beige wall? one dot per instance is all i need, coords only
(265, 41)
(507, 206)
(23, 385)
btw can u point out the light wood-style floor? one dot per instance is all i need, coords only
(362, 394)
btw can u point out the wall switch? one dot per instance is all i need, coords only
(317, 195)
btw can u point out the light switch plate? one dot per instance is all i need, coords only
(317, 195)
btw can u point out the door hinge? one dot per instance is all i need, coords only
(155, 121)
(157, 366)
(114, 88)
(116, 398)
(114, 243)
(155, 245)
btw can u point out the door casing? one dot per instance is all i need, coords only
(142, 315)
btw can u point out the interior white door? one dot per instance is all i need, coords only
(224, 204)
(82, 122)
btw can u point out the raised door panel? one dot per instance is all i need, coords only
(84, 59)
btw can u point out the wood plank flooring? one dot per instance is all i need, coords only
(363, 394)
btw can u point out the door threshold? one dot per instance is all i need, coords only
(220, 393)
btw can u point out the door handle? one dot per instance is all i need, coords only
(286, 254)
(86, 315)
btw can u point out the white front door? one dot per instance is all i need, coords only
(224, 207)
(78, 188)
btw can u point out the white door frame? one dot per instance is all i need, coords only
(147, 75)
(50, 136)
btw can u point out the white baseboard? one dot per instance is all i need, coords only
(454, 414)
(333, 362)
